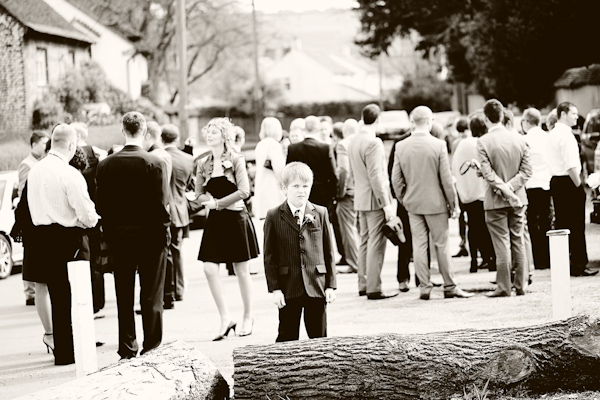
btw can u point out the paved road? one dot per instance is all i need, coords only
(25, 367)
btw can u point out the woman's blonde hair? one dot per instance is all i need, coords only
(270, 127)
(226, 128)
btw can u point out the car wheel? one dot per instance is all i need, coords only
(6, 262)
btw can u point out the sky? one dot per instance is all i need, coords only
(273, 6)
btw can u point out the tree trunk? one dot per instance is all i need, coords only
(175, 371)
(537, 359)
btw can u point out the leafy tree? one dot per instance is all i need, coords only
(512, 50)
(215, 29)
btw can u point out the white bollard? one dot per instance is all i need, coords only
(560, 273)
(84, 336)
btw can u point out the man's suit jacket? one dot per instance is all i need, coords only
(504, 157)
(345, 178)
(181, 176)
(319, 157)
(130, 195)
(298, 260)
(421, 175)
(367, 161)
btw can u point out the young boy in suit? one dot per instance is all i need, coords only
(299, 264)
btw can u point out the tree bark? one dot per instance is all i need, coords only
(174, 371)
(536, 359)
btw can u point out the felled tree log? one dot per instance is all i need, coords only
(537, 359)
(174, 371)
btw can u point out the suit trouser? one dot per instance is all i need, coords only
(60, 244)
(176, 260)
(372, 250)
(405, 250)
(29, 290)
(539, 219)
(315, 318)
(347, 222)
(569, 208)
(337, 232)
(437, 225)
(150, 259)
(506, 227)
(478, 234)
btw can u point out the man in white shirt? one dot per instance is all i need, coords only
(59, 204)
(566, 186)
(539, 214)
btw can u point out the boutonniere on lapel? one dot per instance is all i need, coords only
(309, 218)
(227, 164)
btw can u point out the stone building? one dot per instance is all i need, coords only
(37, 47)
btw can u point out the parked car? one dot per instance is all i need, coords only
(11, 253)
(392, 124)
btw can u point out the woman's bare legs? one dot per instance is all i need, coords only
(242, 271)
(44, 309)
(211, 270)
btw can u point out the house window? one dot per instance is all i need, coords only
(72, 57)
(41, 60)
(287, 84)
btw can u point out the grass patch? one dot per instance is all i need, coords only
(12, 153)
(105, 137)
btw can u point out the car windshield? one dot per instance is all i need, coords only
(2, 188)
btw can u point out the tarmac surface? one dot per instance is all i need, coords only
(25, 367)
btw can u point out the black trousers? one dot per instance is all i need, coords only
(569, 209)
(478, 234)
(539, 220)
(405, 249)
(149, 257)
(60, 245)
(315, 318)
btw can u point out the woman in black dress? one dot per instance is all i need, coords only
(222, 185)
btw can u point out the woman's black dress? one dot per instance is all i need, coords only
(229, 236)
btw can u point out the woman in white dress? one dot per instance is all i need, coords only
(269, 164)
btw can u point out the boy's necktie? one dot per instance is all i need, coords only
(297, 216)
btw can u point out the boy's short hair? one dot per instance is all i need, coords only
(296, 170)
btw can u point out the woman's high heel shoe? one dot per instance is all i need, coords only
(48, 342)
(249, 332)
(231, 326)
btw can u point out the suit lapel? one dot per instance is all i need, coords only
(286, 215)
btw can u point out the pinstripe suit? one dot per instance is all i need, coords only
(299, 262)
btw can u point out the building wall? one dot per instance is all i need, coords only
(585, 98)
(14, 119)
(111, 51)
(59, 59)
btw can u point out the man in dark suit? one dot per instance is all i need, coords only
(319, 157)
(133, 204)
(299, 263)
(181, 176)
(506, 166)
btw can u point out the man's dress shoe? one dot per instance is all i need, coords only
(461, 253)
(498, 293)
(589, 272)
(380, 295)
(345, 269)
(456, 292)
(403, 286)
(425, 293)
(362, 292)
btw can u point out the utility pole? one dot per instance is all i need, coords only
(257, 89)
(182, 55)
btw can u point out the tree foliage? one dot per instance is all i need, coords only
(215, 29)
(512, 50)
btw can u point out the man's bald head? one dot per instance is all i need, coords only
(350, 127)
(64, 140)
(312, 124)
(421, 116)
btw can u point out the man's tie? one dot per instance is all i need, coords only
(297, 216)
